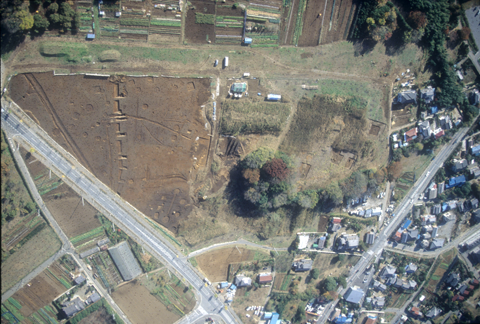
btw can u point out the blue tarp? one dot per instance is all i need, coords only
(455, 182)
(223, 284)
(233, 287)
(406, 224)
(434, 110)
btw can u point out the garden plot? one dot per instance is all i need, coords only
(200, 22)
(102, 264)
(165, 21)
(84, 9)
(109, 23)
(33, 301)
(113, 124)
(135, 21)
(228, 25)
(263, 24)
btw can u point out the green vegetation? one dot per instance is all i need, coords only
(166, 23)
(286, 282)
(109, 56)
(93, 233)
(251, 117)
(299, 21)
(134, 22)
(193, 262)
(201, 18)
(73, 52)
(264, 45)
(30, 235)
(13, 309)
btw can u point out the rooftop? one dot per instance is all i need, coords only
(125, 261)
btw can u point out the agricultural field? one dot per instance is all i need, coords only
(110, 124)
(84, 10)
(440, 267)
(33, 302)
(228, 25)
(109, 24)
(103, 266)
(349, 139)
(200, 22)
(74, 217)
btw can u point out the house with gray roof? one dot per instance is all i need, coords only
(407, 97)
(388, 271)
(474, 203)
(379, 302)
(354, 295)
(242, 281)
(125, 261)
(78, 280)
(427, 94)
(377, 285)
(370, 238)
(434, 312)
(437, 243)
(74, 307)
(93, 298)
(302, 265)
(424, 128)
(459, 165)
(436, 209)
(411, 268)
(474, 97)
(453, 279)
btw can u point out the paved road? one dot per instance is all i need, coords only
(67, 247)
(122, 214)
(401, 212)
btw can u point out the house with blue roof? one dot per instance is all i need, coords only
(406, 224)
(455, 182)
(434, 110)
(275, 317)
(476, 150)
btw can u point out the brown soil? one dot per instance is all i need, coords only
(137, 135)
(323, 223)
(215, 264)
(197, 33)
(43, 289)
(142, 307)
(64, 203)
(278, 280)
(98, 317)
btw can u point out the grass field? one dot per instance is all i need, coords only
(253, 117)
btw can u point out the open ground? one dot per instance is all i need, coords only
(144, 137)
(140, 306)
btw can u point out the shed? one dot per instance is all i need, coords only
(225, 62)
(125, 261)
(90, 36)
(274, 97)
(78, 280)
(93, 298)
(89, 252)
(242, 281)
(239, 87)
(264, 278)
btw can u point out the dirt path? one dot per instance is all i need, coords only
(294, 9)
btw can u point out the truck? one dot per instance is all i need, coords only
(225, 62)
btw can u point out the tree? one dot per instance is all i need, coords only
(307, 198)
(314, 273)
(66, 10)
(341, 281)
(465, 33)
(26, 20)
(30, 206)
(39, 24)
(417, 19)
(258, 158)
(394, 170)
(334, 193)
(299, 315)
(53, 8)
(251, 175)
(419, 146)
(276, 169)
(329, 284)
(341, 257)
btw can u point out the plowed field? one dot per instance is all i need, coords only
(215, 264)
(143, 137)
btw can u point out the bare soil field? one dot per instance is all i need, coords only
(143, 137)
(98, 317)
(336, 16)
(43, 289)
(142, 307)
(329, 264)
(215, 264)
(252, 297)
(33, 253)
(197, 33)
(323, 223)
(64, 203)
